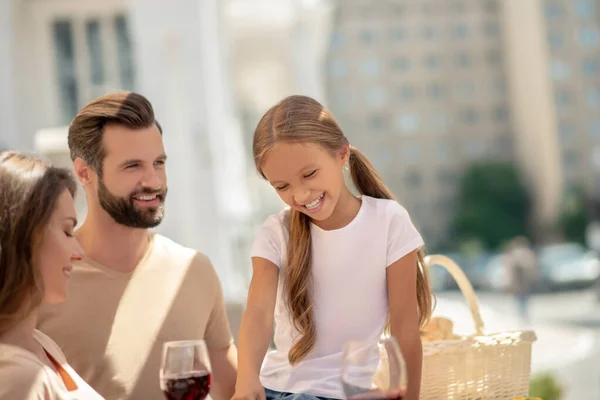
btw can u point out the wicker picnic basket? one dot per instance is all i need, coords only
(481, 366)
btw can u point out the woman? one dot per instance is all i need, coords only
(37, 249)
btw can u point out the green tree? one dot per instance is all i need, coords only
(494, 205)
(574, 216)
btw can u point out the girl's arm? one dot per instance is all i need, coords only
(402, 297)
(256, 329)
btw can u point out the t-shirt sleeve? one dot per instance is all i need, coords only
(218, 333)
(268, 241)
(403, 236)
(19, 380)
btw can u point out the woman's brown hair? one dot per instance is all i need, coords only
(301, 119)
(29, 190)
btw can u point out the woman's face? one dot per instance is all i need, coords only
(57, 249)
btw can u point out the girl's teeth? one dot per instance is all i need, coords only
(314, 204)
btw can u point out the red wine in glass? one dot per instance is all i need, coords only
(185, 371)
(192, 386)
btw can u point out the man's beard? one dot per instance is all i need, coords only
(124, 211)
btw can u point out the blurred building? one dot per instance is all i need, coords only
(426, 88)
(55, 56)
(421, 88)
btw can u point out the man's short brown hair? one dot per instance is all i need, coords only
(128, 109)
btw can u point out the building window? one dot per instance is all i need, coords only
(407, 123)
(377, 123)
(411, 153)
(459, 31)
(559, 70)
(595, 129)
(94, 44)
(67, 76)
(435, 91)
(593, 98)
(556, 40)
(429, 33)
(414, 179)
(367, 37)
(490, 6)
(401, 64)
(500, 114)
(563, 99)
(565, 131)
(570, 159)
(406, 93)
(399, 34)
(553, 11)
(370, 67)
(463, 60)
(343, 99)
(81, 42)
(591, 67)
(432, 61)
(493, 57)
(465, 90)
(337, 41)
(125, 51)
(498, 85)
(469, 116)
(375, 97)
(338, 68)
(585, 8)
(588, 37)
(491, 29)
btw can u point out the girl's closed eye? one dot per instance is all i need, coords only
(311, 174)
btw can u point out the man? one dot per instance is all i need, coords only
(135, 289)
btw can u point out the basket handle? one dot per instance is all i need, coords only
(463, 284)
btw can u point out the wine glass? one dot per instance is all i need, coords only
(185, 370)
(373, 370)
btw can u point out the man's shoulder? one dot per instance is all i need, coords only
(167, 247)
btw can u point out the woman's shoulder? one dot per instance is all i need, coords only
(23, 375)
(50, 346)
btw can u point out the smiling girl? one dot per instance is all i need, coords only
(332, 267)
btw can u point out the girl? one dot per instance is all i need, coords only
(333, 267)
(37, 248)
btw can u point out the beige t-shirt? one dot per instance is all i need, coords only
(24, 376)
(113, 325)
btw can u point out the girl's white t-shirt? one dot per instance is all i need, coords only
(24, 376)
(349, 294)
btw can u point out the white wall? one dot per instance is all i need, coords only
(8, 132)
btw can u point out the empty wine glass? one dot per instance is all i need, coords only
(373, 370)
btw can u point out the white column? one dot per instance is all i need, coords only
(311, 33)
(8, 125)
(532, 105)
(180, 69)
